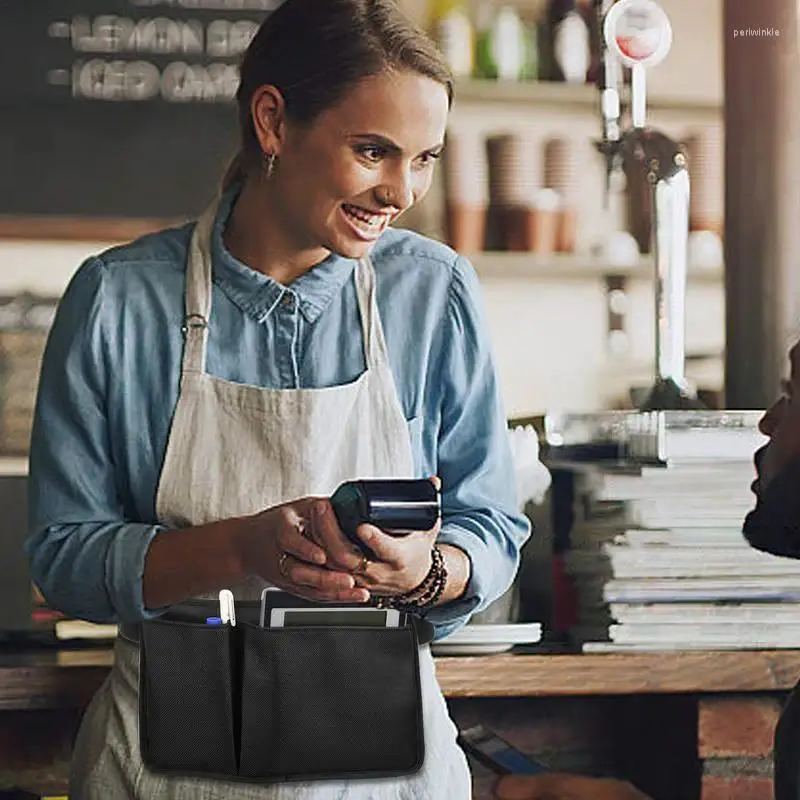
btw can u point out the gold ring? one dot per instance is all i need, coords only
(362, 567)
(282, 559)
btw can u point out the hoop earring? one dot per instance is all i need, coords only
(269, 164)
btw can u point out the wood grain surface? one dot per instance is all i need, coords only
(80, 229)
(68, 679)
(615, 674)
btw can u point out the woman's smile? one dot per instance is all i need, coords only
(367, 225)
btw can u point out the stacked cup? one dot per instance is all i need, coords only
(706, 170)
(466, 191)
(514, 189)
(562, 177)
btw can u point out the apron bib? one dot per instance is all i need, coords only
(233, 450)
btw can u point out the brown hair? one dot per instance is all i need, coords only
(316, 51)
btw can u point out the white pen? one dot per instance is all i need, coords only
(227, 610)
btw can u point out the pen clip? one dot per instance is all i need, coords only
(227, 610)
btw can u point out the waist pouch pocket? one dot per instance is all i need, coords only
(263, 705)
(324, 702)
(187, 719)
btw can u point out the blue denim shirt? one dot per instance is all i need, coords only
(109, 385)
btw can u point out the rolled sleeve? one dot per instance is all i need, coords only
(479, 503)
(85, 557)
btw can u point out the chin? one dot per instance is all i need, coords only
(350, 248)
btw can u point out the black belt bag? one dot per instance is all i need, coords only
(266, 705)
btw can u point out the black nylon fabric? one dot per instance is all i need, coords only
(330, 702)
(279, 704)
(186, 702)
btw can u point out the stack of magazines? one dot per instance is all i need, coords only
(656, 552)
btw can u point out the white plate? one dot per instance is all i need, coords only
(447, 649)
(488, 639)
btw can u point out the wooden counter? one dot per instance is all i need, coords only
(619, 674)
(654, 718)
(68, 678)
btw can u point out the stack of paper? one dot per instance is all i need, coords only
(659, 561)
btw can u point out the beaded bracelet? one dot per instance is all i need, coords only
(426, 594)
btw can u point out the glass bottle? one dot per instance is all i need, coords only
(452, 28)
(570, 42)
(505, 49)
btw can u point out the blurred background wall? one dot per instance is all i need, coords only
(571, 329)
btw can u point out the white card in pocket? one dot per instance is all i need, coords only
(304, 617)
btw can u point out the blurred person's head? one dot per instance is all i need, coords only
(343, 107)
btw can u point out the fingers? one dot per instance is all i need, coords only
(291, 540)
(322, 584)
(382, 544)
(394, 550)
(330, 597)
(326, 531)
(303, 563)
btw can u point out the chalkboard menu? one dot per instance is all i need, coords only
(119, 108)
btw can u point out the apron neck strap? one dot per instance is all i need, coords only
(198, 301)
(198, 293)
(375, 352)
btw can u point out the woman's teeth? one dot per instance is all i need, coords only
(364, 220)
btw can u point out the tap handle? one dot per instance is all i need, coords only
(639, 34)
(608, 78)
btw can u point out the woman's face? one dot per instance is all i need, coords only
(362, 163)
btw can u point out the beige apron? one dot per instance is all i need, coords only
(236, 449)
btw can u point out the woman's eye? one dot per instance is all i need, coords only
(429, 158)
(371, 152)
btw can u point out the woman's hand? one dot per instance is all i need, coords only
(556, 786)
(277, 545)
(299, 547)
(400, 564)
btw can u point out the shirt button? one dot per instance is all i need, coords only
(287, 301)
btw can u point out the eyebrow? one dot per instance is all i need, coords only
(384, 141)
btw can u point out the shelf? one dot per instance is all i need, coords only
(523, 266)
(551, 93)
(617, 674)
(79, 229)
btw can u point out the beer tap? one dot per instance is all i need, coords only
(637, 34)
(610, 146)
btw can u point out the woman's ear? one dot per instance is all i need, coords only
(268, 112)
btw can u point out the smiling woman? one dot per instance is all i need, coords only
(205, 390)
(345, 156)
(336, 184)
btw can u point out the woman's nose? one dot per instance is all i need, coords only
(399, 190)
(402, 194)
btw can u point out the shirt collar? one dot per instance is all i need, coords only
(257, 294)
